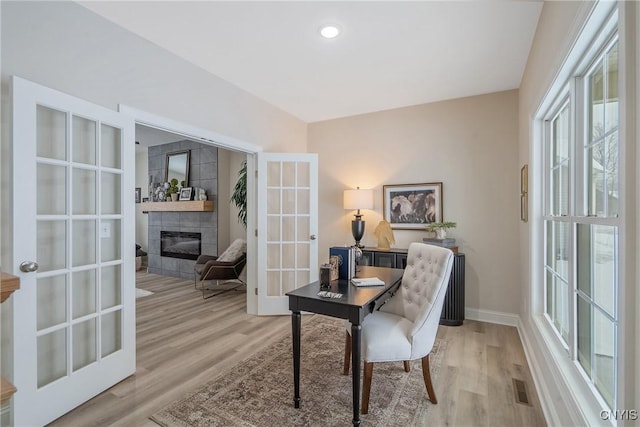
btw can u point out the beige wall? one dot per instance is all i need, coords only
(470, 145)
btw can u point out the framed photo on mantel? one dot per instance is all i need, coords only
(412, 206)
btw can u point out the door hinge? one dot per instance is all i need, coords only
(256, 289)
(256, 173)
(256, 232)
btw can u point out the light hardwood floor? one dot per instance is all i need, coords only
(184, 341)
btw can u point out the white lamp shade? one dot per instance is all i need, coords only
(358, 199)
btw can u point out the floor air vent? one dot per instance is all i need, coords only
(520, 390)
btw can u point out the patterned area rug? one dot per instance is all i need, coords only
(259, 391)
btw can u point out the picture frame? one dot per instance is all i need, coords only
(138, 194)
(412, 206)
(186, 193)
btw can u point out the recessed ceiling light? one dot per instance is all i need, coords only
(329, 31)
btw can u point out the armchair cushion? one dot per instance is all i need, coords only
(234, 251)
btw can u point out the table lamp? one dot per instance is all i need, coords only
(358, 199)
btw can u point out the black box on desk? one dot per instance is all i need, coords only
(347, 263)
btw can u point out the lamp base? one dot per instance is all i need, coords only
(357, 229)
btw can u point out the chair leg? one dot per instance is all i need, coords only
(366, 386)
(347, 354)
(407, 366)
(426, 373)
(204, 288)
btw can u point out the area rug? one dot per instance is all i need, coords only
(142, 293)
(259, 390)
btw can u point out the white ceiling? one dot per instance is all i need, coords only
(389, 54)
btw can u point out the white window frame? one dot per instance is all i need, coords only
(583, 400)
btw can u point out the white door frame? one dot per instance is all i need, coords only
(216, 139)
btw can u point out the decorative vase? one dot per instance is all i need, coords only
(174, 197)
(441, 233)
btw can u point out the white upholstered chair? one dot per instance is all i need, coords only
(405, 328)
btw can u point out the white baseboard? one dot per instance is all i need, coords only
(491, 316)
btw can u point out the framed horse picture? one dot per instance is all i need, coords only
(412, 206)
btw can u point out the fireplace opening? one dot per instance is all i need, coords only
(178, 244)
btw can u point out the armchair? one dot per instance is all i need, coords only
(405, 328)
(223, 268)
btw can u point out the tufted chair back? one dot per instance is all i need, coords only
(421, 294)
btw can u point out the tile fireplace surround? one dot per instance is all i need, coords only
(203, 172)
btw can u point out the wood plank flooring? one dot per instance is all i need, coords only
(184, 341)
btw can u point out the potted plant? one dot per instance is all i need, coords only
(440, 228)
(173, 190)
(239, 196)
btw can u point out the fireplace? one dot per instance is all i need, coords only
(178, 244)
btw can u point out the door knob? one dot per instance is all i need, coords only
(28, 266)
(312, 237)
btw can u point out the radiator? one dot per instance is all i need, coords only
(453, 308)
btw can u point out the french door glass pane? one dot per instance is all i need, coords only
(84, 192)
(288, 201)
(52, 248)
(288, 174)
(273, 201)
(273, 228)
(111, 286)
(110, 193)
(84, 343)
(84, 242)
(83, 293)
(52, 357)
(51, 134)
(303, 229)
(303, 201)
(111, 332)
(84, 140)
(273, 255)
(303, 256)
(288, 281)
(51, 300)
(110, 239)
(304, 175)
(273, 283)
(51, 189)
(273, 174)
(288, 229)
(288, 255)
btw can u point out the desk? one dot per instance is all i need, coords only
(355, 305)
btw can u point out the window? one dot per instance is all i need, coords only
(580, 217)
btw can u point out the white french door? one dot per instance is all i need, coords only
(287, 218)
(74, 315)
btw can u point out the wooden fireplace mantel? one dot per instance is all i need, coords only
(180, 206)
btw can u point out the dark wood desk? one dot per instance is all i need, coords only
(355, 305)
